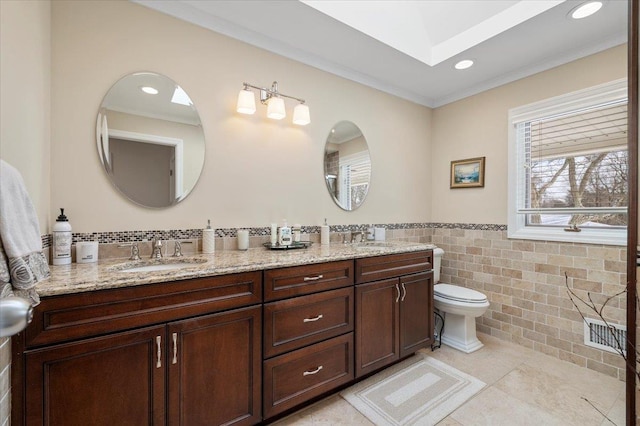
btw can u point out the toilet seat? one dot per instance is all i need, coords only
(459, 294)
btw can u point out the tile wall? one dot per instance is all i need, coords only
(525, 284)
(5, 381)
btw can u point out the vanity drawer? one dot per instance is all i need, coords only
(298, 376)
(393, 265)
(74, 316)
(293, 323)
(298, 280)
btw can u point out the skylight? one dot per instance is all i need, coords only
(432, 31)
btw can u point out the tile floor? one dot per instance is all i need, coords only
(524, 387)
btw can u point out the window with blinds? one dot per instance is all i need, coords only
(571, 167)
(355, 171)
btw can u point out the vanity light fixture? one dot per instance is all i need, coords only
(464, 64)
(274, 101)
(586, 9)
(149, 90)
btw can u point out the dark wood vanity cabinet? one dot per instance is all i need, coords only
(103, 381)
(308, 339)
(214, 365)
(213, 351)
(394, 312)
(204, 369)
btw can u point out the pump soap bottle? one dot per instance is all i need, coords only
(62, 240)
(208, 239)
(324, 234)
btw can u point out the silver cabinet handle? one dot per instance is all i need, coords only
(159, 353)
(404, 292)
(316, 371)
(313, 319)
(316, 278)
(175, 348)
(398, 290)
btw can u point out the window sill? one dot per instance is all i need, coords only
(611, 237)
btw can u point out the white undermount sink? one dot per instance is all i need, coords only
(158, 265)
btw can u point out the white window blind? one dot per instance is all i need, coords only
(571, 165)
(356, 169)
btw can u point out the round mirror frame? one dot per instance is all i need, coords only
(347, 132)
(132, 127)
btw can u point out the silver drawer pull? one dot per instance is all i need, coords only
(159, 353)
(398, 290)
(316, 371)
(175, 348)
(313, 319)
(316, 278)
(404, 292)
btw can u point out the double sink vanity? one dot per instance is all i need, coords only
(230, 338)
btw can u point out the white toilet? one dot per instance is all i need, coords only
(460, 307)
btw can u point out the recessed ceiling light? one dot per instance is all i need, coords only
(150, 90)
(464, 64)
(586, 9)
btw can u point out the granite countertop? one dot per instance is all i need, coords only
(108, 274)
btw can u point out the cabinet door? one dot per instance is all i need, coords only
(416, 312)
(377, 325)
(215, 369)
(112, 380)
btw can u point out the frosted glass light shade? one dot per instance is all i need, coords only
(246, 102)
(275, 109)
(301, 115)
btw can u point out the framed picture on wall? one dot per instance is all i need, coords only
(467, 173)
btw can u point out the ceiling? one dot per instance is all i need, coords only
(408, 48)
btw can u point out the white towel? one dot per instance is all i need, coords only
(22, 260)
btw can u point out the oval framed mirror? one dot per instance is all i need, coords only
(347, 165)
(150, 140)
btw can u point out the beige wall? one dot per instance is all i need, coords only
(25, 75)
(256, 170)
(25, 71)
(477, 127)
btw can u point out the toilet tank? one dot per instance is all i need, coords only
(437, 263)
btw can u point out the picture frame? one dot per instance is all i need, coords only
(468, 173)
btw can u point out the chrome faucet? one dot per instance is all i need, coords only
(156, 247)
(355, 235)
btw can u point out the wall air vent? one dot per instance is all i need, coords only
(609, 338)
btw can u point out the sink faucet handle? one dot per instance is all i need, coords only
(135, 250)
(177, 248)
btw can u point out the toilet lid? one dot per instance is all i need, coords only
(459, 294)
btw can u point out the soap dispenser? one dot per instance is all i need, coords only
(324, 234)
(62, 240)
(208, 239)
(284, 234)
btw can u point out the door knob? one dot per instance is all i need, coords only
(15, 314)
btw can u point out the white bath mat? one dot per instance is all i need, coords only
(417, 391)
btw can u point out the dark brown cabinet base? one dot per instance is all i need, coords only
(394, 316)
(211, 351)
(209, 368)
(113, 380)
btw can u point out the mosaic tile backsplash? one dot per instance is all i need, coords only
(186, 234)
